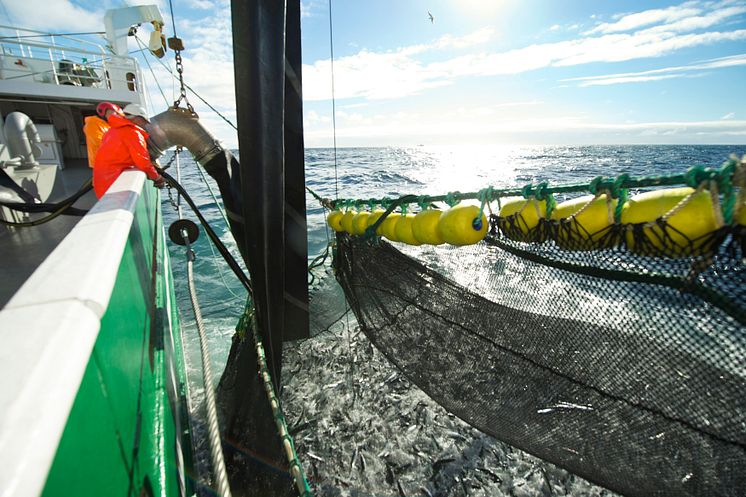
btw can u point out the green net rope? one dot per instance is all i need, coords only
(618, 187)
(246, 323)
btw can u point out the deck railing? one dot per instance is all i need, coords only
(41, 57)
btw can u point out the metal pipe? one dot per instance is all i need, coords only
(177, 126)
(21, 136)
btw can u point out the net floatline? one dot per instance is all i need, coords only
(694, 177)
(247, 324)
(693, 224)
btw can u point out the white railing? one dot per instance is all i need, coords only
(30, 55)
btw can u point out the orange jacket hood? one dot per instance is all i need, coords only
(124, 146)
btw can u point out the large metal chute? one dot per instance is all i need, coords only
(181, 127)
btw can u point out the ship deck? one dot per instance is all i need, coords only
(23, 249)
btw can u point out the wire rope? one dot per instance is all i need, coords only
(145, 57)
(216, 450)
(212, 108)
(334, 104)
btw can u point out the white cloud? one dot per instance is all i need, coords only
(200, 4)
(309, 8)
(60, 15)
(476, 38)
(463, 127)
(637, 20)
(518, 104)
(449, 41)
(699, 22)
(376, 75)
(729, 115)
(663, 73)
(622, 47)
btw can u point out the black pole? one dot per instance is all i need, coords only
(296, 240)
(253, 448)
(259, 67)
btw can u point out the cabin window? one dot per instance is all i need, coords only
(131, 81)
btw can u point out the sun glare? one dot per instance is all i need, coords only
(482, 8)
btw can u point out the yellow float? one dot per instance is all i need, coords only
(529, 212)
(360, 222)
(589, 225)
(687, 226)
(403, 230)
(347, 221)
(374, 217)
(388, 226)
(425, 227)
(457, 228)
(740, 217)
(334, 219)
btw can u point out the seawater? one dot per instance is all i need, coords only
(390, 172)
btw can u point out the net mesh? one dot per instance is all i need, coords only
(596, 352)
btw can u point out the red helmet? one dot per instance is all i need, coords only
(104, 106)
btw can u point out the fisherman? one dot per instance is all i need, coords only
(124, 146)
(95, 127)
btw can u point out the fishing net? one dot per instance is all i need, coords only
(618, 354)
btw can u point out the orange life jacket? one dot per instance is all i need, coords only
(94, 130)
(123, 147)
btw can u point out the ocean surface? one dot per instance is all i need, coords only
(390, 172)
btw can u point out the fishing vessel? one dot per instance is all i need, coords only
(93, 391)
(95, 397)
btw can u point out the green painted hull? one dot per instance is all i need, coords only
(127, 433)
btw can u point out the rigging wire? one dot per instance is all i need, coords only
(224, 252)
(143, 48)
(216, 111)
(334, 104)
(173, 18)
(222, 275)
(212, 194)
(336, 194)
(178, 179)
(222, 213)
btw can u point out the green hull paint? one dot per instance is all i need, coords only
(128, 422)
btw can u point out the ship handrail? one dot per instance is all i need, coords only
(50, 46)
(53, 36)
(44, 58)
(48, 330)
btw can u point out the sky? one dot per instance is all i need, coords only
(481, 72)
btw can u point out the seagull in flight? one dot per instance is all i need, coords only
(432, 19)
